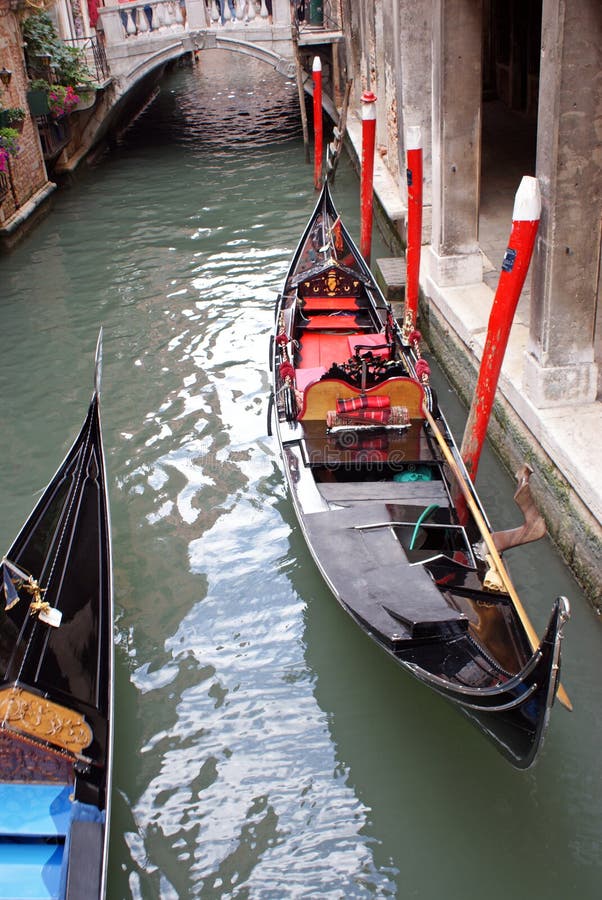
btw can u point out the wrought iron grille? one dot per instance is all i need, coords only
(94, 54)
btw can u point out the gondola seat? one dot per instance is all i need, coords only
(321, 397)
(375, 343)
(332, 322)
(317, 349)
(305, 377)
(319, 304)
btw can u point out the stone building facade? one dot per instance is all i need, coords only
(444, 60)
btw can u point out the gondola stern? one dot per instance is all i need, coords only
(520, 734)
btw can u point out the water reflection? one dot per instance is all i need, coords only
(241, 793)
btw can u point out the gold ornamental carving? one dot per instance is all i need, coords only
(46, 721)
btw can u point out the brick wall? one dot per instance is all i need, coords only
(27, 173)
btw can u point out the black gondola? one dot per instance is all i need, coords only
(385, 504)
(56, 688)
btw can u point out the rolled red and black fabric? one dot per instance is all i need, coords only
(351, 404)
(396, 416)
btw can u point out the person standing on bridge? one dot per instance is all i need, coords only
(222, 10)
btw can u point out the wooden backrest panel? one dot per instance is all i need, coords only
(332, 282)
(322, 396)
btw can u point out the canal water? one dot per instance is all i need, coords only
(265, 748)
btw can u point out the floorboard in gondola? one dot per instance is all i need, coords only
(396, 448)
(368, 567)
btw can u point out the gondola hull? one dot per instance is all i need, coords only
(56, 684)
(374, 476)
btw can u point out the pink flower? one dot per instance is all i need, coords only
(62, 100)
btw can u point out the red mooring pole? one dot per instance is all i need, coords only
(525, 220)
(414, 175)
(367, 173)
(316, 71)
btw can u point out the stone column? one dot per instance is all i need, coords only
(281, 12)
(111, 25)
(560, 366)
(197, 15)
(412, 39)
(456, 59)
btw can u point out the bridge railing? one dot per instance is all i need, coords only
(142, 19)
(125, 21)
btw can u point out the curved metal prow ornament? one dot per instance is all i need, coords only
(98, 364)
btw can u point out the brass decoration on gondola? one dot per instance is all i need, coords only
(38, 606)
(492, 580)
(331, 283)
(44, 720)
(407, 328)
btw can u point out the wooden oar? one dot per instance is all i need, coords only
(491, 548)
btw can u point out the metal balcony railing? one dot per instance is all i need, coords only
(54, 135)
(4, 185)
(95, 57)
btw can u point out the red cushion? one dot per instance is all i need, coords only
(351, 404)
(315, 303)
(322, 349)
(304, 377)
(369, 340)
(332, 321)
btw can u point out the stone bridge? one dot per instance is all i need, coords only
(143, 36)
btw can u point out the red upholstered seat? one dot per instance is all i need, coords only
(339, 322)
(304, 377)
(317, 349)
(313, 304)
(369, 341)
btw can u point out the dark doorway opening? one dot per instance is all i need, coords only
(511, 57)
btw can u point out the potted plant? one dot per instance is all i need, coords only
(13, 116)
(9, 145)
(37, 97)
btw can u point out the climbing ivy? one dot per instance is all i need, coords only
(48, 57)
